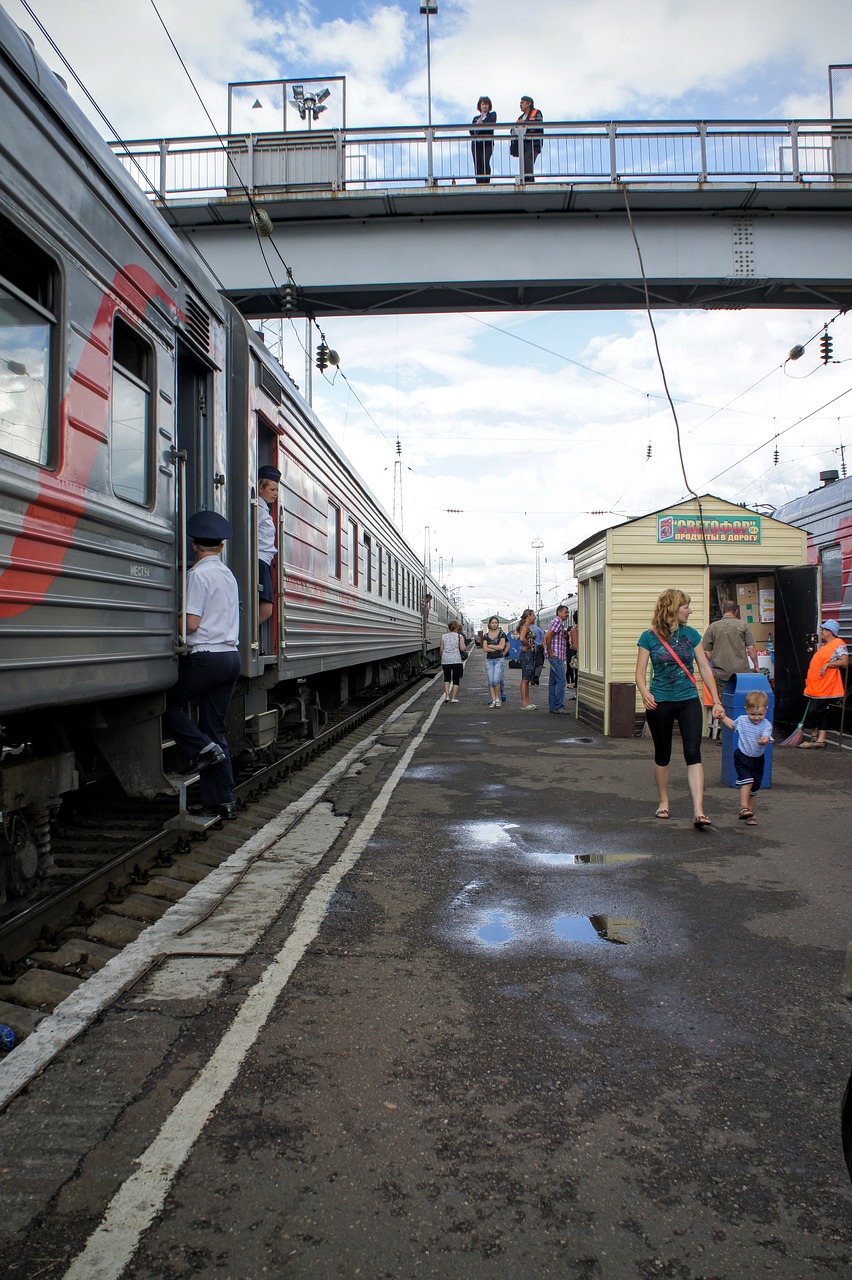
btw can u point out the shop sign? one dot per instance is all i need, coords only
(744, 528)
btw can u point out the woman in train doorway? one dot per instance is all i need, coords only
(824, 684)
(452, 647)
(483, 139)
(672, 648)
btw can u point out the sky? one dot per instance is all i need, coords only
(518, 427)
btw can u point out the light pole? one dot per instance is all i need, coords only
(429, 7)
(310, 105)
(537, 545)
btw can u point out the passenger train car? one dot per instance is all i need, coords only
(826, 514)
(131, 395)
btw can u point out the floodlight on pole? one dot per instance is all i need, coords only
(430, 9)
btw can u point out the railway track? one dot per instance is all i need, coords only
(119, 869)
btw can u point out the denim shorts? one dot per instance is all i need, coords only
(494, 670)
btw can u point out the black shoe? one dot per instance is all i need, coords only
(214, 812)
(206, 759)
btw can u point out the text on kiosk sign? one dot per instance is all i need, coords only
(745, 528)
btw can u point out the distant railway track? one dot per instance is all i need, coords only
(117, 870)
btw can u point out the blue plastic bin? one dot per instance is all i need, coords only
(733, 700)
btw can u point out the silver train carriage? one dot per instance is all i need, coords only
(826, 514)
(131, 395)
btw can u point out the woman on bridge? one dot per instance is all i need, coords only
(482, 145)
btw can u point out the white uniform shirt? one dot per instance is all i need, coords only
(211, 593)
(265, 533)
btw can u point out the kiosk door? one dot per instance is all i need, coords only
(796, 621)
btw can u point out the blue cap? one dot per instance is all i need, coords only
(208, 526)
(268, 473)
(832, 625)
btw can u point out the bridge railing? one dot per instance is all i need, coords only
(806, 151)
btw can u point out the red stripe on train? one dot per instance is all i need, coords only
(48, 524)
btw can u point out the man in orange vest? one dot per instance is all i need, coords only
(824, 684)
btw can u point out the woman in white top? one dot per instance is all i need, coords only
(452, 648)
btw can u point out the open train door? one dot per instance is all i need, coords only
(796, 621)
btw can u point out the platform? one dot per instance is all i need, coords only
(467, 1008)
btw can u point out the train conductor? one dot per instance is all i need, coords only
(209, 671)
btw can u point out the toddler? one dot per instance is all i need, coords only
(754, 733)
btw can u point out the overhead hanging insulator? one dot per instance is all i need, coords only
(288, 298)
(826, 343)
(775, 455)
(648, 451)
(322, 357)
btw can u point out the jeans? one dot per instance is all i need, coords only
(494, 670)
(556, 685)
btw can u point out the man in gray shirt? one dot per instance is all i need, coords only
(729, 644)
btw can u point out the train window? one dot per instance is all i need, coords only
(334, 540)
(832, 574)
(353, 553)
(27, 323)
(368, 560)
(396, 597)
(131, 414)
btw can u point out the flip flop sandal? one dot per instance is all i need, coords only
(661, 813)
(748, 817)
(701, 823)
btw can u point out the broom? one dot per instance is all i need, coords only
(796, 736)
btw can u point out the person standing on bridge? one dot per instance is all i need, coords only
(482, 145)
(532, 120)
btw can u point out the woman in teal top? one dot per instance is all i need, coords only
(673, 696)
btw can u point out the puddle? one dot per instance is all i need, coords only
(425, 772)
(496, 929)
(580, 742)
(617, 929)
(587, 859)
(490, 833)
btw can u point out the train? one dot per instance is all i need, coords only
(826, 514)
(133, 394)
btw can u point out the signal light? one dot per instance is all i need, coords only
(826, 344)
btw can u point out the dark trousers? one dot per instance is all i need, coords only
(531, 154)
(208, 679)
(689, 715)
(482, 160)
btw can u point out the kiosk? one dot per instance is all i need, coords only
(713, 550)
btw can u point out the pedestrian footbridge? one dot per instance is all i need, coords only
(725, 214)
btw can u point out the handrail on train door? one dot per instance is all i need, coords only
(281, 579)
(179, 460)
(254, 607)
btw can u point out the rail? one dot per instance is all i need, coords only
(807, 151)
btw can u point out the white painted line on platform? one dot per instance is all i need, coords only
(137, 1202)
(173, 932)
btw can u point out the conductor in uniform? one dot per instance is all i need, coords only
(209, 670)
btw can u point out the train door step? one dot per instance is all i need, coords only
(183, 819)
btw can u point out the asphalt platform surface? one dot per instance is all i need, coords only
(536, 1032)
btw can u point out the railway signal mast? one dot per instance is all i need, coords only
(537, 545)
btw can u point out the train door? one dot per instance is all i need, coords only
(272, 631)
(796, 621)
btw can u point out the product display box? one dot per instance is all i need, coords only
(766, 599)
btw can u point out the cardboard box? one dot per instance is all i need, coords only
(766, 599)
(749, 602)
(761, 632)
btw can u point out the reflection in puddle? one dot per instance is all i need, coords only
(595, 929)
(490, 833)
(580, 742)
(586, 859)
(496, 929)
